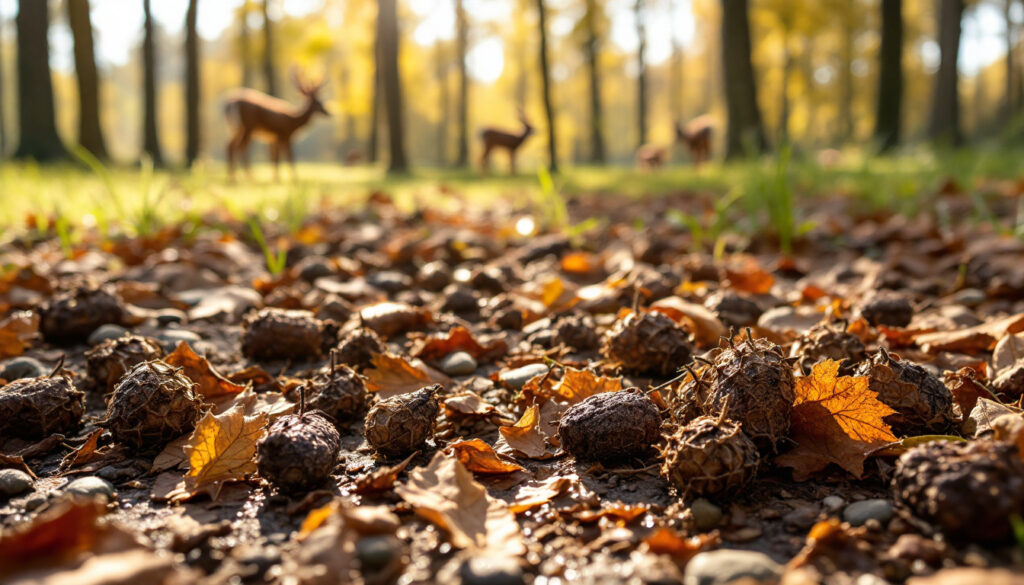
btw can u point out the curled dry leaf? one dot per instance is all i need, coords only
(68, 529)
(437, 346)
(617, 510)
(972, 339)
(467, 404)
(1008, 351)
(706, 327)
(389, 318)
(393, 375)
(525, 436)
(836, 419)
(577, 385)
(745, 274)
(479, 457)
(209, 383)
(221, 449)
(85, 453)
(966, 386)
(539, 493)
(445, 493)
(666, 541)
(985, 412)
(17, 333)
(383, 479)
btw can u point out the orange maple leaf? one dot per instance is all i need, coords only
(392, 375)
(458, 338)
(209, 382)
(577, 385)
(479, 457)
(836, 419)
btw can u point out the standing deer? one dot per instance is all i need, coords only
(254, 114)
(696, 134)
(496, 138)
(651, 156)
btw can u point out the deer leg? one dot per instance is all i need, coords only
(242, 149)
(287, 147)
(275, 157)
(485, 159)
(511, 161)
(231, 160)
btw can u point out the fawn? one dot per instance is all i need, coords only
(495, 138)
(697, 134)
(651, 156)
(255, 114)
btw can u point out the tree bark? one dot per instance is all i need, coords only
(545, 76)
(846, 78)
(245, 45)
(90, 134)
(38, 129)
(269, 71)
(945, 118)
(592, 49)
(387, 29)
(443, 105)
(784, 104)
(675, 75)
(641, 75)
(192, 106)
(373, 145)
(462, 110)
(3, 125)
(890, 77)
(1009, 100)
(150, 137)
(745, 129)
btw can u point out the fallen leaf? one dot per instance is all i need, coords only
(209, 383)
(393, 375)
(389, 318)
(1008, 351)
(479, 457)
(69, 528)
(577, 385)
(706, 327)
(617, 510)
(15, 462)
(525, 436)
(985, 412)
(467, 404)
(316, 518)
(172, 455)
(972, 339)
(745, 274)
(437, 346)
(260, 380)
(17, 333)
(836, 419)
(383, 479)
(536, 494)
(222, 448)
(907, 443)
(83, 454)
(666, 541)
(579, 263)
(445, 494)
(966, 388)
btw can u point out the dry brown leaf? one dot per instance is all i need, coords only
(8, 461)
(467, 404)
(539, 493)
(222, 449)
(260, 380)
(209, 383)
(706, 327)
(445, 494)
(836, 419)
(616, 510)
(577, 385)
(525, 436)
(745, 274)
(1008, 351)
(68, 529)
(972, 339)
(85, 453)
(172, 455)
(17, 333)
(390, 318)
(985, 412)
(383, 479)
(393, 375)
(666, 541)
(966, 386)
(439, 345)
(479, 457)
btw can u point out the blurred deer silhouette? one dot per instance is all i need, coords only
(511, 141)
(696, 135)
(254, 114)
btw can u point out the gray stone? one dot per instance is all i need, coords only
(34, 502)
(488, 570)
(705, 514)
(459, 363)
(970, 297)
(377, 552)
(833, 503)
(90, 486)
(518, 377)
(166, 317)
(14, 482)
(105, 332)
(169, 338)
(22, 367)
(719, 567)
(858, 513)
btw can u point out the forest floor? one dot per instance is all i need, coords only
(852, 416)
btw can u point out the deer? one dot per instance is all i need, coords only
(511, 141)
(254, 114)
(696, 135)
(651, 156)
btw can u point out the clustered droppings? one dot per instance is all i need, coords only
(110, 360)
(401, 424)
(610, 426)
(151, 405)
(647, 343)
(274, 334)
(33, 408)
(709, 457)
(299, 452)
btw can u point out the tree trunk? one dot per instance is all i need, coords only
(784, 104)
(373, 145)
(90, 135)
(38, 130)
(245, 46)
(192, 107)
(890, 77)
(545, 76)
(387, 29)
(269, 71)
(150, 137)
(3, 125)
(462, 110)
(1009, 104)
(443, 104)
(675, 74)
(945, 119)
(744, 118)
(846, 79)
(592, 50)
(641, 74)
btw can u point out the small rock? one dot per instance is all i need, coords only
(14, 482)
(105, 332)
(729, 566)
(165, 317)
(169, 338)
(90, 486)
(377, 552)
(801, 518)
(705, 514)
(970, 297)
(487, 570)
(516, 378)
(459, 363)
(833, 503)
(858, 513)
(34, 502)
(22, 367)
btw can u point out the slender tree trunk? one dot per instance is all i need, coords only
(3, 125)
(810, 91)
(592, 49)
(245, 45)
(641, 75)
(890, 77)
(545, 76)
(387, 29)
(784, 104)
(90, 134)
(443, 103)
(522, 54)
(846, 78)
(945, 118)
(269, 71)
(38, 130)
(675, 74)
(150, 136)
(744, 128)
(192, 106)
(1009, 104)
(373, 146)
(462, 110)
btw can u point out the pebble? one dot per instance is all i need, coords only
(970, 297)
(377, 552)
(487, 570)
(166, 317)
(858, 513)
(34, 502)
(730, 566)
(518, 377)
(169, 338)
(458, 363)
(14, 482)
(90, 486)
(801, 518)
(22, 367)
(833, 503)
(705, 514)
(105, 332)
